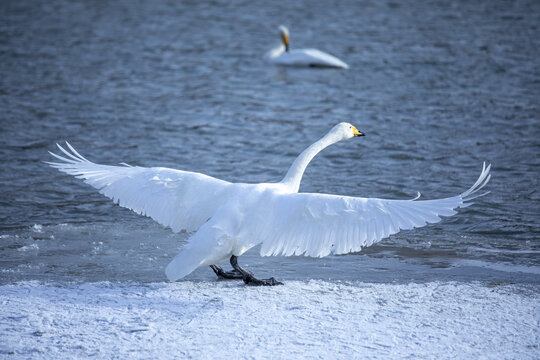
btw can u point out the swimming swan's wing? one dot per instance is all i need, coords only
(182, 200)
(319, 224)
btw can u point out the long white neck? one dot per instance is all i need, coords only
(296, 171)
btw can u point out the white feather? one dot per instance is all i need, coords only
(181, 200)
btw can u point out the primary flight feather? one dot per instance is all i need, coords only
(230, 218)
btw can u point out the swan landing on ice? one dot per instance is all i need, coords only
(230, 218)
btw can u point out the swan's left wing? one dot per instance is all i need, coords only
(319, 224)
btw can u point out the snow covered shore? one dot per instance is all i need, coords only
(225, 319)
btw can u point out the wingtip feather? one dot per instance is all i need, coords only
(75, 152)
(482, 181)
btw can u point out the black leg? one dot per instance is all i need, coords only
(248, 277)
(226, 274)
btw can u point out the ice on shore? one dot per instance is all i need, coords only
(314, 319)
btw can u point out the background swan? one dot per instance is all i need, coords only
(230, 218)
(283, 55)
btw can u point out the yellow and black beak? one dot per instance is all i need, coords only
(357, 133)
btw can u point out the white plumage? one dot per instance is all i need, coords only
(230, 218)
(282, 55)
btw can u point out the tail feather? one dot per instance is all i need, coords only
(180, 266)
(208, 246)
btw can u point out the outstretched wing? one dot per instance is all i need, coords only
(319, 224)
(182, 200)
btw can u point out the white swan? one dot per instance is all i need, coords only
(230, 218)
(282, 55)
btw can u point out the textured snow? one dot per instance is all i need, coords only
(314, 319)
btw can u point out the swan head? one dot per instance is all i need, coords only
(343, 131)
(284, 33)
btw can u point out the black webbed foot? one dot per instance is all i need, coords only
(248, 277)
(230, 275)
(253, 281)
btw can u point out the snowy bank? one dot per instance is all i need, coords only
(223, 320)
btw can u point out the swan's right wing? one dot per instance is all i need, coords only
(319, 224)
(182, 200)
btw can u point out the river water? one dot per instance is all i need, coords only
(438, 87)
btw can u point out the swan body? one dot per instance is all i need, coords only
(282, 55)
(230, 218)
